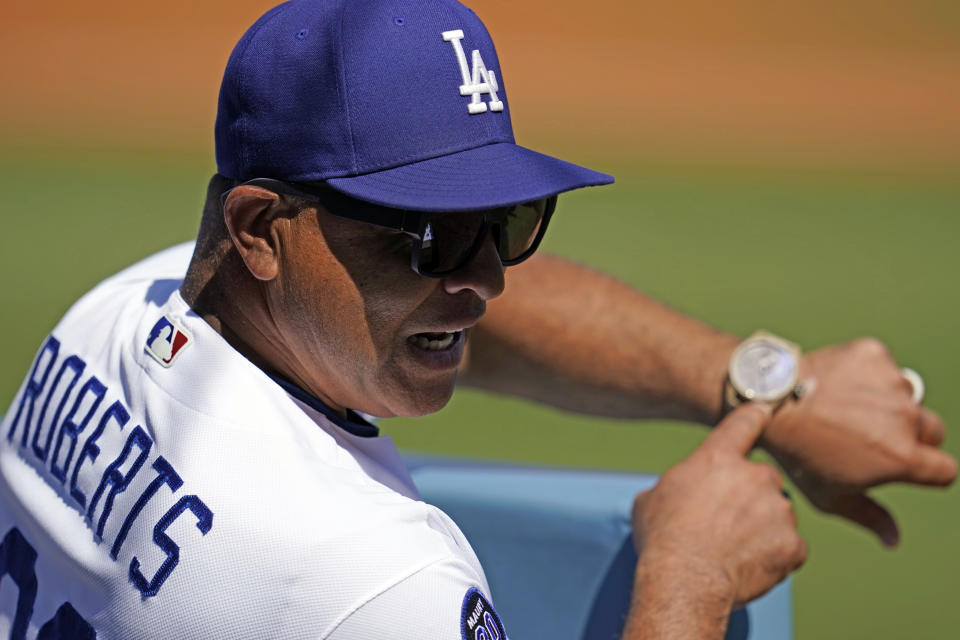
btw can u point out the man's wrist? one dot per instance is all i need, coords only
(679, 598)
(718, 366)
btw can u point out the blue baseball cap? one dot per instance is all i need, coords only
(397, 102)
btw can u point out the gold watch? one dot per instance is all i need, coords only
(763, 368)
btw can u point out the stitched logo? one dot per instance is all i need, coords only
(478, 82)
(166, 340)
(478, 619)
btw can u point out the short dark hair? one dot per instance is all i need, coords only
(207, 279)
(212, 227)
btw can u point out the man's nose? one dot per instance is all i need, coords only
(483, 274)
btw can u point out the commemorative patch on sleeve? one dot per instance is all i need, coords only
(478, 619)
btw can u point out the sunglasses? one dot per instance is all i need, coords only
(443, 242)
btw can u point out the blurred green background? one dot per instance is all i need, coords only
(792, 169)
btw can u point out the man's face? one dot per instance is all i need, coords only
(362, 329)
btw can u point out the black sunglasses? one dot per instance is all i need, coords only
(445, 242)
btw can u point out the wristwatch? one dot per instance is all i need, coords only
(763, 368)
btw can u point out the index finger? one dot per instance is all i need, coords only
(741, 429)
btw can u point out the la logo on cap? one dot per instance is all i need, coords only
(479, 82)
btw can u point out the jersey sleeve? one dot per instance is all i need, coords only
(445, 600)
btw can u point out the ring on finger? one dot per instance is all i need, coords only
(916, 384)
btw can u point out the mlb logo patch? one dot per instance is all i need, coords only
(166, 340)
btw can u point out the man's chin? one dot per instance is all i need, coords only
(420, 399)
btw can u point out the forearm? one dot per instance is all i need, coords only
(675, 603)
(577, 339)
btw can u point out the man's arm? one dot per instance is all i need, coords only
(569, 336)
(715, 533)
(572, 337)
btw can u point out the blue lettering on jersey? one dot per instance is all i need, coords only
(71, 429)
(33, 388)
(18, 560)
(76, 365)
(91, 451)
(50, 454)
(118, 481)
(166, 475)
(204, 523)
(66, 624)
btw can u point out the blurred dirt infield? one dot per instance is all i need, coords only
(822, 82)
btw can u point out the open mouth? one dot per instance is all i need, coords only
(440, 341)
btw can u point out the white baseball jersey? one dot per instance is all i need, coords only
(156, 484)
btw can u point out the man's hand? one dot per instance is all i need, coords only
(858, 428)
(614, 352)
(715, 533)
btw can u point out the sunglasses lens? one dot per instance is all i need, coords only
(520, 228)
(449, 239)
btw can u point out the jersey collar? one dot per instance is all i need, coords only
(354, 423)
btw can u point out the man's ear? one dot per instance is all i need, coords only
(249, 213)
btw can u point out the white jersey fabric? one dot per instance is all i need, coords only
(156, 484)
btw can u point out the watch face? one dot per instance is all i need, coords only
(763, 370)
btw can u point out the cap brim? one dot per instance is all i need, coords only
(494, 175)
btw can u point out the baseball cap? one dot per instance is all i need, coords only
(401, 103)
